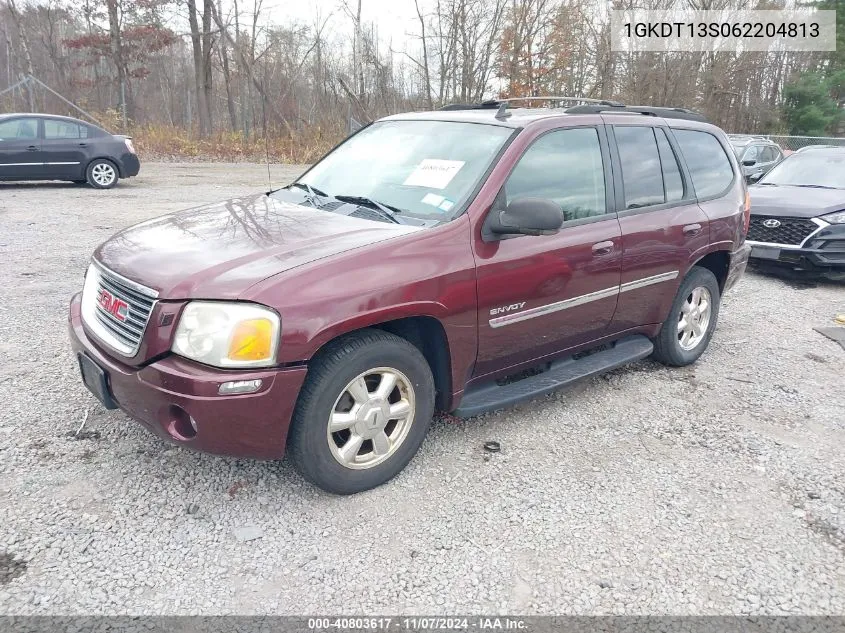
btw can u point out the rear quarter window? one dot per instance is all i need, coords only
(709, 165)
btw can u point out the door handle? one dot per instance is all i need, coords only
(83, 145)
(692, 229)
(603, 248)
(32, 148)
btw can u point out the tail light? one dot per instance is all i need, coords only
(129, 145)
(747, 214)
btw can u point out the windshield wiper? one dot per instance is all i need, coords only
(817, 186)
(312, 192)
(308, 188)
(388, 211)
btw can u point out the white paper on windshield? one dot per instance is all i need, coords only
(433, 199)
(434, 173)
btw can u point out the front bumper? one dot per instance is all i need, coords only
(823, 251)
(167, 394)
(737, 265)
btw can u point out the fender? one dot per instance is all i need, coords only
(460, 330)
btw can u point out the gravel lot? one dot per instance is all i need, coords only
(718, 488)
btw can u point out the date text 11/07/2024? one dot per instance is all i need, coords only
(418, 624)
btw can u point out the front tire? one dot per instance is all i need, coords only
(102, 174)
(687, 330)
(362, 413)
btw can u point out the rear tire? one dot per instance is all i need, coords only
(363, 412)
(102, 174)
(687, 330)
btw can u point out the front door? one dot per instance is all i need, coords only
(20, 149)
(540, 295)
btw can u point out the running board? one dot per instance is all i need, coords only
(490, 396)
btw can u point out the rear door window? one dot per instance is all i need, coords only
(770, 154)
(642, 175)
(708, 164)
(672, 181)
(63, 130)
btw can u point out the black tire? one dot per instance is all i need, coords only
(667, 345)
(329, 374)
(97, 167)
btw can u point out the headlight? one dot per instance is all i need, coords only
(837, 217)
(228, 335)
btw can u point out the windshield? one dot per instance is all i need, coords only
(813, 169)
(422, 168)
(738, 148)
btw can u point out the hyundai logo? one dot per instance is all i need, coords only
(771, 224)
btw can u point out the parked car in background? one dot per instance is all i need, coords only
(459, 260)
(47, 147)
(798, 213)
(757, 155)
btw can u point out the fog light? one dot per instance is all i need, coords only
(239, 386)
(179, 424)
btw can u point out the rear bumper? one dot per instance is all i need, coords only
(823, 252)
(130, 165)
(165, 395)
(737, 266)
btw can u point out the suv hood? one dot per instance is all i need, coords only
(220, 250)
(795, 202)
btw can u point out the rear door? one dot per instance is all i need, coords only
(20, 149)
(662, 223)
(64, 147)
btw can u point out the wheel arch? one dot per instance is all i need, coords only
(110, 159)
(718, 263)
(428, 335)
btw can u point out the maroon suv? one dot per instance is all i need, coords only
(458, 260)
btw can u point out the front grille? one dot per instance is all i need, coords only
(116, 309)
(791, 231)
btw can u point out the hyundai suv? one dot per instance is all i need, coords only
(456, 261)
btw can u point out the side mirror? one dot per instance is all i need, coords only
(749, 163)
(526, 216)
(755, 177)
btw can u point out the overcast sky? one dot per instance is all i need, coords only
(395, 19)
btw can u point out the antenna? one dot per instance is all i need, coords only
(502, 112)
(266, 141)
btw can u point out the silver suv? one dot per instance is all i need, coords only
(756, 154)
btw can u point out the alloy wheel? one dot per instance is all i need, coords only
(103, 174)
(694, 319)
(371, 418)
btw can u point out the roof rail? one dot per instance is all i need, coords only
(496, 104)
(587, 106)
(484, 105)
(666, 113)
(605, 102)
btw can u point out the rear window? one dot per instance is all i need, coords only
(707, 161)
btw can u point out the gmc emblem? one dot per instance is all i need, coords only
(118, 308)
